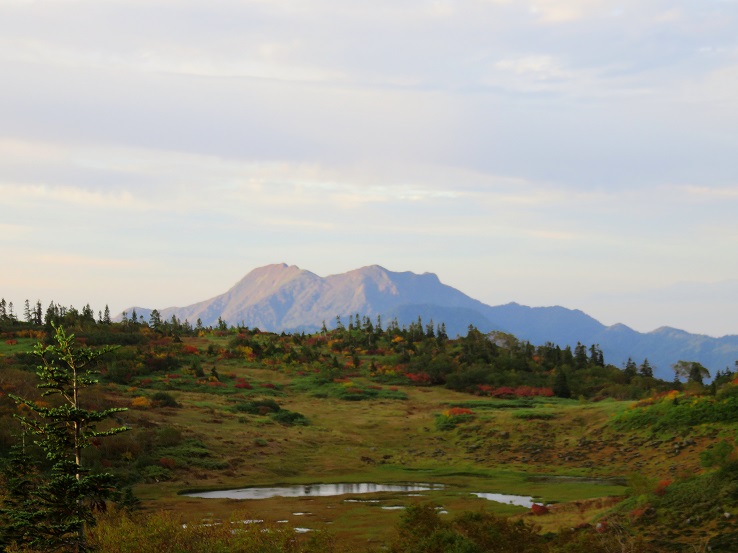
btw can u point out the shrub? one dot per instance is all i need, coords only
(421, 530)
(257, 406)
(290, 418)
(154, 473)
(141, 403)
(718, 455)
(450, 418)
(163, 399)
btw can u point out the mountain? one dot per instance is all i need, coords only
(286, 298)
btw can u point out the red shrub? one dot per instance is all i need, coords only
(167, 463)
(418, 378)
(539, 510)
(455, 411)
(11, 342)
(508, 391)
(661, 487)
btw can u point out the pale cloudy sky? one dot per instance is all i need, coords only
(581, 153)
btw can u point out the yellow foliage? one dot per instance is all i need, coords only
(141, 403)
(246, 351)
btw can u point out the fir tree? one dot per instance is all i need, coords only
(49, 512)
(646, 369)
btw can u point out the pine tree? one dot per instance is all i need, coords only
(646, 369)
(155, 319)
(631, 369)
(38, 314)
(50, 513)
(27, 311)
(3, 310)
(580, 356)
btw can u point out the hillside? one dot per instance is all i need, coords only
(286, 298)
(472, 423)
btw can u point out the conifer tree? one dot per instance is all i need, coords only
(631, 369)
(38, 317)
(49, 511)
(27, 311)
(646, 369)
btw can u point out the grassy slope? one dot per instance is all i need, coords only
(548, 448)
(382, 440)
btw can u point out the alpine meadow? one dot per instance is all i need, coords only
(152, 433)
(378, 276)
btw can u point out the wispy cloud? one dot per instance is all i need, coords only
(600, 132)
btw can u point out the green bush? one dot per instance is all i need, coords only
(445, 423)
(679, 413)
(421, 530)
(163, 399)
(257, 406)
(156, 473)
(290, 418)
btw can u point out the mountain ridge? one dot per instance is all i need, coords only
(282, 297)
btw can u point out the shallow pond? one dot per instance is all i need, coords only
(326, 490)
(314, 490)
(520, 500)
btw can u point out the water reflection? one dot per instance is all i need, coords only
(520, 500)
(314, 490)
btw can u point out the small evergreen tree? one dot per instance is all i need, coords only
(49, 510)
(27, 315)
(155, 319)
(631, 369)
(646, 369)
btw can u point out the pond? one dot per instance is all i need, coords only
(520, 500)
(326, 490)
(314, 490)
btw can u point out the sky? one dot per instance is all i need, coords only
(581, 153)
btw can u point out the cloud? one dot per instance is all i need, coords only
(78, 197)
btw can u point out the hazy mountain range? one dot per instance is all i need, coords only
(281, 297)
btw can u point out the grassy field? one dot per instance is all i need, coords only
(558, 451)
(209, 416)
